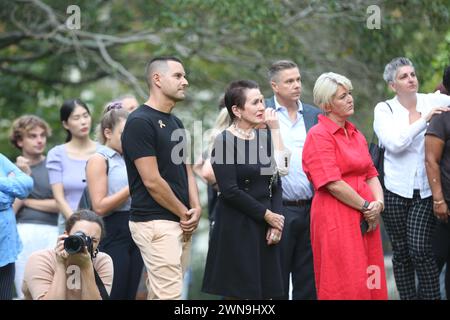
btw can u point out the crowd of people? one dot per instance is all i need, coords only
(294, 198)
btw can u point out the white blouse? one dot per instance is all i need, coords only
(404, 158)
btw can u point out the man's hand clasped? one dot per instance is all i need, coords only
(190, 224)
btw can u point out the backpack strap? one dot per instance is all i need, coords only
(107, 162)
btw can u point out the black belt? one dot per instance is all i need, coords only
(297, 203)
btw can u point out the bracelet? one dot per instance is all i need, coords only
(382, 204)
(438, 202)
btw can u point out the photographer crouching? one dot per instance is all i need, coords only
(74, 270)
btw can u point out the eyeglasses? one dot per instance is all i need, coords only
(113, 105)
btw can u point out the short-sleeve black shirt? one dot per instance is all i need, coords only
(440, 127)
(149, 132)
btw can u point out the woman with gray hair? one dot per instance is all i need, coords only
(348, 199)
(400, 124)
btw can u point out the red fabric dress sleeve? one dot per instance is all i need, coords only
(372, 172)
(319, 158)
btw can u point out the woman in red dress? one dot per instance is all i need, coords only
(348, 200)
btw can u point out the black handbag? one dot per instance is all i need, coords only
(85, 200)
(376, 151)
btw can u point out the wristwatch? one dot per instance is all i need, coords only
(365, 206)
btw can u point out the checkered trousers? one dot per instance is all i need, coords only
(410, 224)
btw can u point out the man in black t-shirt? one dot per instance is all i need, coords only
(165, 207)
(437, 153)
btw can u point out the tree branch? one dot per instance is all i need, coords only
(33, 57)
(48, 81)
(121, 69)
(7, 39)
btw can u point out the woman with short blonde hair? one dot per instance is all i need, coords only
(348, 199)
(326, 87)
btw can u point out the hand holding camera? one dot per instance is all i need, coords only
(61, 254)
(76, 249)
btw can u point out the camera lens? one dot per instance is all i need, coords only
(75, 243)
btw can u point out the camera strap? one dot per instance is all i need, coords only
(101, 287)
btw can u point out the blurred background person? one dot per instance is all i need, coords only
(348, 261)
(107, 182)
(437, 161)
(56, 274)
(14, 183)
(203, 167)
(400, 125)
(444, 86)
(37, 215)
(66, 162)
(295, 120)
(243, 258)
(127, 102)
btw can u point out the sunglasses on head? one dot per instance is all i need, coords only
(114, 105)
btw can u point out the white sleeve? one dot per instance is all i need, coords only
(283, 160)
(389, 135)
(439, 99)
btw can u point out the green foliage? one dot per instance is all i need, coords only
(219, 41)
(43, 63)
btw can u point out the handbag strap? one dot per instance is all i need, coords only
(389, 107)
(374, 134)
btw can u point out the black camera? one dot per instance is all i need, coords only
(75, 243)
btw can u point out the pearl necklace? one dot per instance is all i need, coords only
(246, 135)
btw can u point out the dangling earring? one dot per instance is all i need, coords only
(94, 255)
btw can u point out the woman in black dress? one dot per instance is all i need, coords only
(243, 258)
